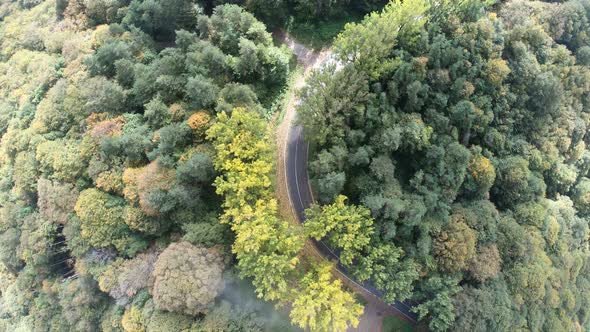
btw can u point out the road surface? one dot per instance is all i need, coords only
(300, 194)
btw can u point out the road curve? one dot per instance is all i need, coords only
(301, 197)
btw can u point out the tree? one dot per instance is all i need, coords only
(97, 94)
(25, 174)
(149, 186)
(263, 242)
(102, 222)
(137, 220)
(486, 308)
(82, 303)
(103, 61)
(162, 321)
(161, 18)
(132, 320)
(486, 264)
(198, 169)
(439, 307)
(328, 95)
(187, 279)
(581, 195)
(207, 232)
(60, 160)
(8, 254)
(468, 117)
(369, 42)
(348, 227)
(124, 279)
(322, 305)
(241, 139)
(546, 92)
(199, 122)
(172, 138)
(228, 24)
(514, 182)
(56, 201)
(330, 186)
(271, 257)
(480, 175)
(583, 55)
(156, 113)
(36, 242)
(201, 92)
(388, 269)
(227, 317)
(235, 95)
(454, 246)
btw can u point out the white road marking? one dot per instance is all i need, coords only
(309, 182)
(330, 250)
(296, 179)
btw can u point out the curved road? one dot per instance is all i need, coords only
(301, 198)
(299, 190)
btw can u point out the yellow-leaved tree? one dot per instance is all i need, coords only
(322, 304)
(266, 246)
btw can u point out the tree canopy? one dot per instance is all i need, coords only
(109, 215)
(462, 128)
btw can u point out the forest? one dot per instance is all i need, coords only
(462, 127)
(447, 155)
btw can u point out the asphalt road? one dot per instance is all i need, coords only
(300, 196)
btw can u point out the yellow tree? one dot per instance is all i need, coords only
(132, 320)
(480, 175)
(102, 223)
(266, 246)
(243, 156)
(322, 305)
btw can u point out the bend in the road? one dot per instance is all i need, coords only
(297, 183)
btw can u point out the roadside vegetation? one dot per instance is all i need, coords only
(123, 199)
(395, 324)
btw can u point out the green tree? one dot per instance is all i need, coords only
(82, 303)
(439, 307)
(347, 227)
(102, 222)
(388, 269)
(369, 42)
(202, 92)
(581, 195)
(161, 18)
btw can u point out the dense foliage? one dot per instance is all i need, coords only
(463, 131)
(267, 247)
(108, 213)
(137, 174)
